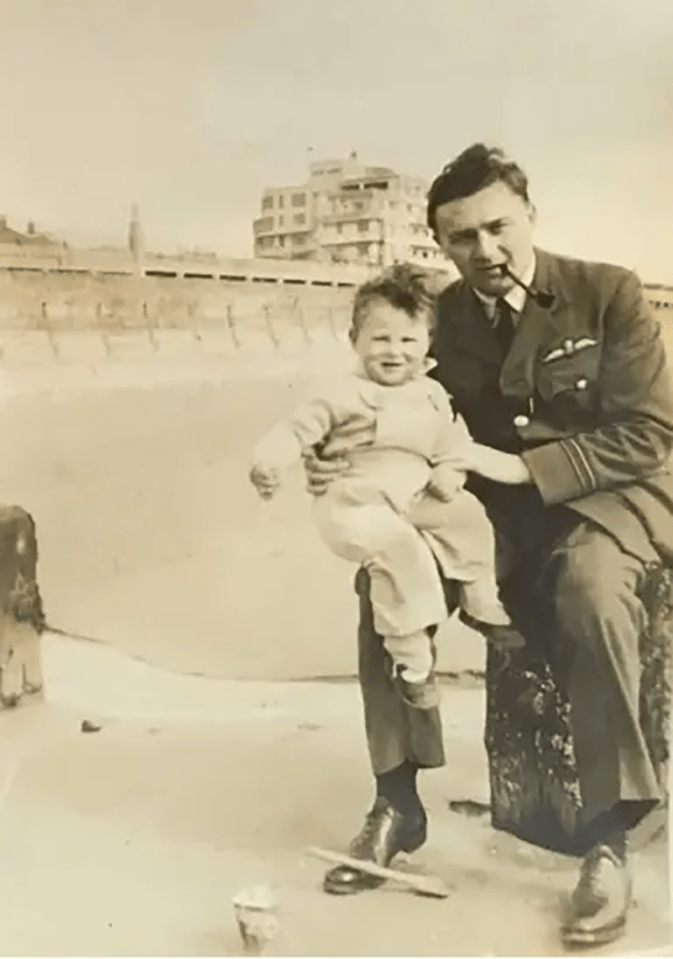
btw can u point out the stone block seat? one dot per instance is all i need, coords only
(533, 778)
(21, 615)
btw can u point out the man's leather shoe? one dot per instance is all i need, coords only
(385, 833)
(600, 902)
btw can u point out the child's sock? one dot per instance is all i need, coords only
(412, 655)
(413, 675)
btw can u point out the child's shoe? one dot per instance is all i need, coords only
(502, 636)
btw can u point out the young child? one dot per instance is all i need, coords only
(401, 509)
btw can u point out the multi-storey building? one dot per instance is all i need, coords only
(348, 213)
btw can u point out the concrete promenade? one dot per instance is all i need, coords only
(132, 840)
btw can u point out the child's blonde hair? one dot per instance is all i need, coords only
(403, 286)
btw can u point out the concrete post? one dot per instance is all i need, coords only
(535, 790)
(21, 615)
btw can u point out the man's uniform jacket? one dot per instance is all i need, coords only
(583, 395)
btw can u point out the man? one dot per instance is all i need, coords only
(569, 379)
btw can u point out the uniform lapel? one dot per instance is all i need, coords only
(468, 333)
(470, 329)
(535, 328)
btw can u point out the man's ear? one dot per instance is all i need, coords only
(532, 213)
(445, 252)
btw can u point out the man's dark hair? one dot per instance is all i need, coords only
(403, 286)
(477, 167)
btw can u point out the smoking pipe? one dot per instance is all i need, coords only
(544, 300)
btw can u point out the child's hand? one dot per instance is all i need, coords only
(265, 479)
(439, 493)
(446, 482)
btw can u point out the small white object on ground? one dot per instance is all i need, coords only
(256, 911)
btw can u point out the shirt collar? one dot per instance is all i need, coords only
(516, 298)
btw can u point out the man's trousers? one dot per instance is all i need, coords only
(588, 586)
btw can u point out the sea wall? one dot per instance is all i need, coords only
(84, 312)
(81, 312)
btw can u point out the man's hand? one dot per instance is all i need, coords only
(265, 479)
(507, 468)
(320, 473)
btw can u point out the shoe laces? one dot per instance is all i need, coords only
(589, 888)
(371, 824)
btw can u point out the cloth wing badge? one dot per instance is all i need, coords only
(568, 348)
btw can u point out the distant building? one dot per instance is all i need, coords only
(348, 213)
(29, 241)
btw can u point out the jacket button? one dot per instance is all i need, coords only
(582, 384)
(521, 420)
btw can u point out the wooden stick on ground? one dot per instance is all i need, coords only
(425, 885)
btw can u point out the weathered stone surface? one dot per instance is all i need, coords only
(533, 777)
(21, 613)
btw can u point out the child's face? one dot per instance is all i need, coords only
(391, 345)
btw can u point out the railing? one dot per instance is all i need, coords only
(220, 268)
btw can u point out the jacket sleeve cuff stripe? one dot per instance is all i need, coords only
(575, 448)
(557, 471)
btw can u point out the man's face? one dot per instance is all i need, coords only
(485, 231)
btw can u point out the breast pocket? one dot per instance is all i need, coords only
(569, 381)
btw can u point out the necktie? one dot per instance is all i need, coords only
(503, 325)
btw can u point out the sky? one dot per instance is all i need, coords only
(190, 108)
